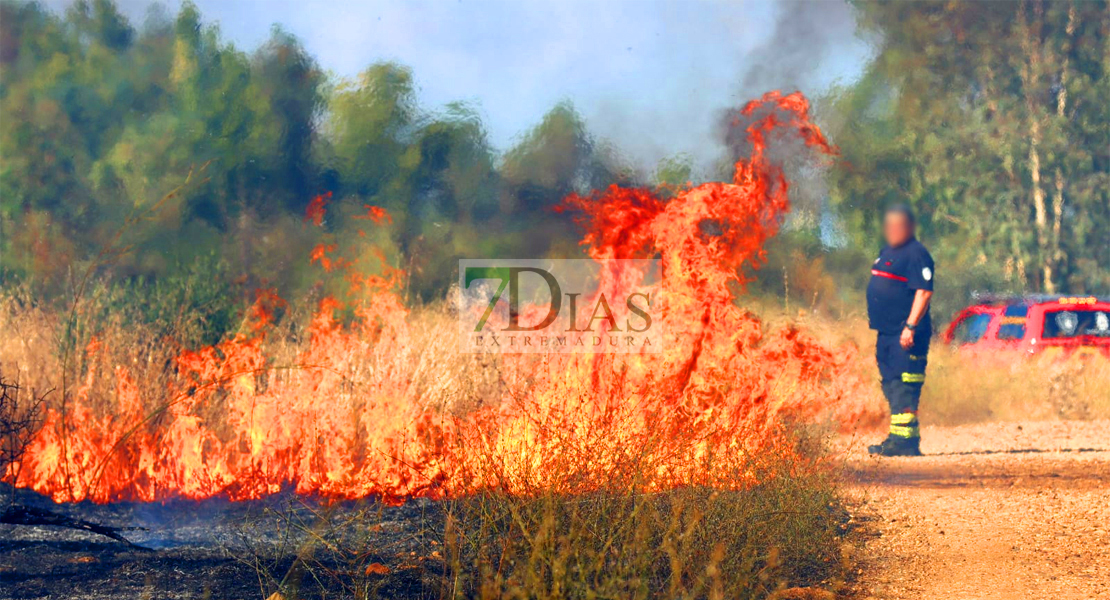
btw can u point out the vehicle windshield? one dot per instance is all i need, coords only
(1076, 322)
(971, 329)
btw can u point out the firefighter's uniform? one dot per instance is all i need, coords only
(895, 278)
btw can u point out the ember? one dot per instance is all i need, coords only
(343, 419)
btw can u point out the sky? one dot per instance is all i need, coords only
(651, 76)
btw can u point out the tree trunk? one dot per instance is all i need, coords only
(1031, 76)
(1058, 256)
(1039, 207)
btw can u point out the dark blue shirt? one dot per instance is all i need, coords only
(895, 278)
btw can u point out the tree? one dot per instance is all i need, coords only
(103, 119)
(987, 117)
(371, 123)
(291, 82)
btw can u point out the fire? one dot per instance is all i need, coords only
(344, 419)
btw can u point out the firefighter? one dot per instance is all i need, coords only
(898, 309)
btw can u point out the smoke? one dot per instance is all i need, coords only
(810, 43)
(805, 42)
(739, 52)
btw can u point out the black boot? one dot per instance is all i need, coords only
(897, 446)
(878, 448)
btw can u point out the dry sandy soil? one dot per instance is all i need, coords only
(995, 511)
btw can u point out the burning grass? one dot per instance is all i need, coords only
(693, 542)
(673, 474)
(689, 542)
(361, 395)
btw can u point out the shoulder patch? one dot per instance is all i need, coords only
(927, 273)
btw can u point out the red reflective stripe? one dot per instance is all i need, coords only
(879, 273)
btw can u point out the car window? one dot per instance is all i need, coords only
(971, 329)
(1012, 326)
(1076, 322)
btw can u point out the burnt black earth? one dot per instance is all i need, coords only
(216, 548)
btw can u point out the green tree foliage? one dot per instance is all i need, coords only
(431, 171)
(557, 157)
(991, 119)
(101, 120)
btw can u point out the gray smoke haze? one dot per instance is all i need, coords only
(806, 37)
(807, 46)
(805, 34)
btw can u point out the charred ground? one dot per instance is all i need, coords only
(210, 549)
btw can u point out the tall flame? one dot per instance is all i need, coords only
(345, 419)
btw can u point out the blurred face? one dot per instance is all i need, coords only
(897, 229)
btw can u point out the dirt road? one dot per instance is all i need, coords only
(994, 511)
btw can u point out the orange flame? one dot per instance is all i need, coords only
(317, 209)
(344, 419)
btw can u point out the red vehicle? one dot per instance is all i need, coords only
(1068, 326)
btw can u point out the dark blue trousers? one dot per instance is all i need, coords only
(903, 376)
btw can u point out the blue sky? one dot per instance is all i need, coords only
(652, 76)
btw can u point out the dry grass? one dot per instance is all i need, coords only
(617, 542)
(689, 542)
(961, 388)
(36, 339)
(119, 376)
